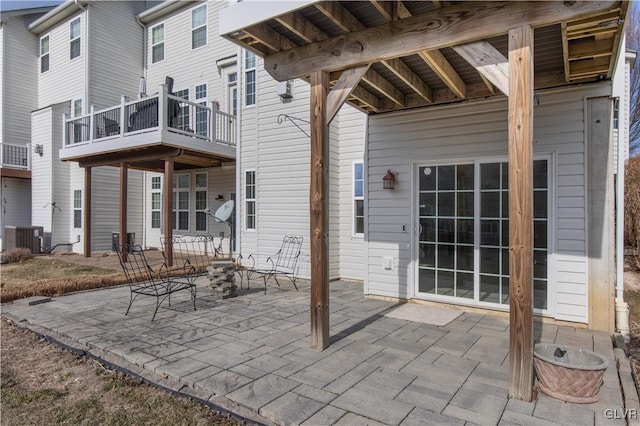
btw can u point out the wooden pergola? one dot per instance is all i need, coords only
(391, 55)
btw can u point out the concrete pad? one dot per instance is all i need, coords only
(425, 314)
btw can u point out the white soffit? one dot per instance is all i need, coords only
(249, 12)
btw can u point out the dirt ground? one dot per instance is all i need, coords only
(43, 384)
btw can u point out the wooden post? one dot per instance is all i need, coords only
(521, 212)
(168, 209)
(319, 209)
(124, 169)
(87, 212)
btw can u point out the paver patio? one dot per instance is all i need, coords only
(251, 354)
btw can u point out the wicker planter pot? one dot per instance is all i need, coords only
(569, 373)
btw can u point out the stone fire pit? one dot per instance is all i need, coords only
(222, 279)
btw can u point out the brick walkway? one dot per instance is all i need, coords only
(251, 355)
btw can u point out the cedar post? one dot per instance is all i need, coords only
(87, 212)
(319, 211)
(124, 169)
(521, 212)
(168, 210)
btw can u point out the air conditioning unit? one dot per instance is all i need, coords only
(285, 89)
(23, 237)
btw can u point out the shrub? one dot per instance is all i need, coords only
(16, 255)
(632, 208)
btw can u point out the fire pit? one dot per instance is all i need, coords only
(569, 373)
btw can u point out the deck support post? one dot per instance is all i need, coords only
(124, 172)
(168, 209)
(521, 213)
(319, 210)
(87, 212)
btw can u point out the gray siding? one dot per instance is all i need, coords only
(19, 79)
(470, 131)
(15, 196)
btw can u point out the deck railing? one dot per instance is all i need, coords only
(15, 156)
(159, 112)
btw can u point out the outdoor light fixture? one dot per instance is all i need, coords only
(389, 180)
(38, 149)
(220, 197)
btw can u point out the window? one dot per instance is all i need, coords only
(157, 43)
(77, 107)
(77, 208)
(199, 27)
(201, 201)
(156, 202)
(250, 199)
(181, 202)
(44, 54)
(358, 198)
(201, 110)
(183, 115)
(232, 83)
(74, 36)
(250, 78)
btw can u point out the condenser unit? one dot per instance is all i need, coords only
(29, 237)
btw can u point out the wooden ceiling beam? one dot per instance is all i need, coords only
(302, 27)
(385, 8)
(565, 50)
(404, 73)
(588, 68)
(270, 38)
(580, 49)
(383, 86)
(488, 61)
(340, 16)
(366, 98)
(459, 24)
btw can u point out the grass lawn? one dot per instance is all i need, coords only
(47, 276)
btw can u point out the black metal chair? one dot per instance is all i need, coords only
(284, 262)
(144, 281)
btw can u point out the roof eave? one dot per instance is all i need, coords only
(55, 16)
(164, 9)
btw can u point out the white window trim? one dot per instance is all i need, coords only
(156, 191)
(206, 25)
(76, 209)
(204, 189)
(164, 44)
(47, 53)
(73, 112)
(204, 102)
(79, 37)
(177, 210)
(254, 200)
(255, 80)
(354, 198)
(551, 231)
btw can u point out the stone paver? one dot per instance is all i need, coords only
(252, 353)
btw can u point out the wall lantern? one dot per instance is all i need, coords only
(38, 149)
(389, 180)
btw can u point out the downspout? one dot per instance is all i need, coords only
(145, 173)
(238, 248)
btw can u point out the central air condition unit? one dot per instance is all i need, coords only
(285, 89)
(29, 237)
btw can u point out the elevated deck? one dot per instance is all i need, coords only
(141, 131)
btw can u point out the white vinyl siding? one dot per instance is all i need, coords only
(157, 43)
(199, 27)
(463, 133)
(75, 43)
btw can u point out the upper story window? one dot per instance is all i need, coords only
(358, 198)
(250, 78)
(232, 94)
(77, 107)
(44, 54)
(250, 199)
(74, 36)
(201, 110)
(157, 43)
(199, 27)
(182, 121)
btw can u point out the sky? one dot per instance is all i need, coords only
(6, 5)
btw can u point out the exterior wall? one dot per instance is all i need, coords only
(470, 131)
(186, 66)
(114, 71)
(50, 177)
(3, 49)
(19, 77)
(16, 202)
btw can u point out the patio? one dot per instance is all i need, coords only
(250, 355)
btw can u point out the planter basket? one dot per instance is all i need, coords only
(569, 373)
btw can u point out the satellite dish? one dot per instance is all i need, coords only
(224, 211)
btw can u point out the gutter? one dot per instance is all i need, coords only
(55, 16)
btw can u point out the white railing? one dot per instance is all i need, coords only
(15, 156)
(159, 112)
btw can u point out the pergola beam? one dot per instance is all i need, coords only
(302, 27)
(342, 90)
(459, 24)
(488, 61)
(270, 38)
